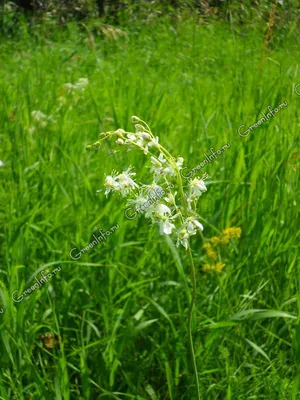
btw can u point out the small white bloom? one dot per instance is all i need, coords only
(110, 184)
(132, 137)
(179, 162)
(197, 186)
(126, 183)
(160, 166)
(1, 163)
(193, 224)
(161, 210)
(81, 84)
(38, 116)
(166, 227)
(183, 238)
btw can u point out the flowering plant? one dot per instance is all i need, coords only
(175, 213)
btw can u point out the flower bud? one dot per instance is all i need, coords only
(135, 119)
(139, 128)
(120, 132)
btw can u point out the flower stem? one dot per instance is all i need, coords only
(193, 299)
(190, 314)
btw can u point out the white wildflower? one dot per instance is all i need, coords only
(166, 227)
(1, 163)
(197, 186)
(110, 184)
(82, 84)
(38, 116)
(158, 204)
(161, 210)
(79, 86)
(157, 164)
(132, 137)
(183, 238)
(179, 162)
(126, 183)
(193, 224)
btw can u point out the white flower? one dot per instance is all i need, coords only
(141, 139)
(122, 183)
(179, 162)
(183, 238)
(166, 227)
(132, 137)
(158, 165)
(38, 116)
(158, 210)
(193, 224)
(110, 184)
(161, 210)
(197, 186)
(81, 84)
(1, 163)
(126, 184)
(120, 142)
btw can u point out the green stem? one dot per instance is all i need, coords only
(193, 299)
(190, 314)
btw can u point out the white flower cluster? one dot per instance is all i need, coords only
(78, 87)
(141, 138)
(173, 216)
(73, 90)
(122, 183)
(40, 120)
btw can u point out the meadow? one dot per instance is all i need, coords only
(112, 324)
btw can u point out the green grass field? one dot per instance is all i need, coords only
(117, 316)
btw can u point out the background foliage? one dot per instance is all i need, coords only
(117, 317)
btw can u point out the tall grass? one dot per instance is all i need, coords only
(119, 312)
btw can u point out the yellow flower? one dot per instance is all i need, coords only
(218, 267)
(215, 240)
(210, 251)
(224, 239)
(232, 233)
(207, 267)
